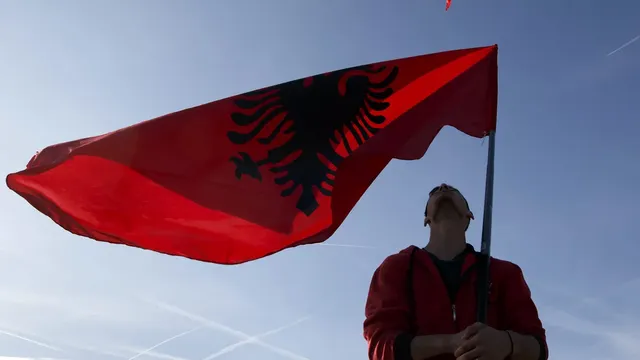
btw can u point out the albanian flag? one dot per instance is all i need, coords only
(238, 179)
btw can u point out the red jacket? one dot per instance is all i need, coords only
(407, 297)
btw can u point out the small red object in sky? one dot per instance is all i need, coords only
(448, 5)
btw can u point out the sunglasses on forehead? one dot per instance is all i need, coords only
(443, 187)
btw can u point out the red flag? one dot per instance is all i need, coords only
(447, 5)
(244, 177)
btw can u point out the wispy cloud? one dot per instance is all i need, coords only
(624, 45)
(27, 358)
(623, 339)
(184, 333)
(226, 329)
(29, 340)
(253, 339)
(607, 322)
(16, 304)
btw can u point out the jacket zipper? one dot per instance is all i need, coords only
(454, 314)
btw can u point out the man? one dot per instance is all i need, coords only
(422, 302)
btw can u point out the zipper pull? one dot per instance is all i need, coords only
(453, 311)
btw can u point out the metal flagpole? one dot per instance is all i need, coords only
(483, 281)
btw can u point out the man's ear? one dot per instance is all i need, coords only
(469, 218)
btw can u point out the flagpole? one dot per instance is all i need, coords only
(483, 280)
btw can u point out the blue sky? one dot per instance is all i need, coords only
(566, 166)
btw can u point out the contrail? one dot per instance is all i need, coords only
(220, 327)
(153, 354)
(166, 341)
(348, 246)
(164, 356)
(4, 332)
(97, 351)
(624, 45)
(253, 339)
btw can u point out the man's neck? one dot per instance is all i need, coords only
(446, 246)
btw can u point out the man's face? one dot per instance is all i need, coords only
(447, 206)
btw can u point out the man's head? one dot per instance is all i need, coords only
(447, 209)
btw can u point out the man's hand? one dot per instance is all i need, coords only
(482, 342)
(427, 346)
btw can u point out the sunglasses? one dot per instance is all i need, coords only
(442, 188)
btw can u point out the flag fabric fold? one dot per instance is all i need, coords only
(238, 179)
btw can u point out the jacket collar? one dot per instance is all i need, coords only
(469, 254)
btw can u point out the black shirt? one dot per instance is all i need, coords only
(451, 271)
